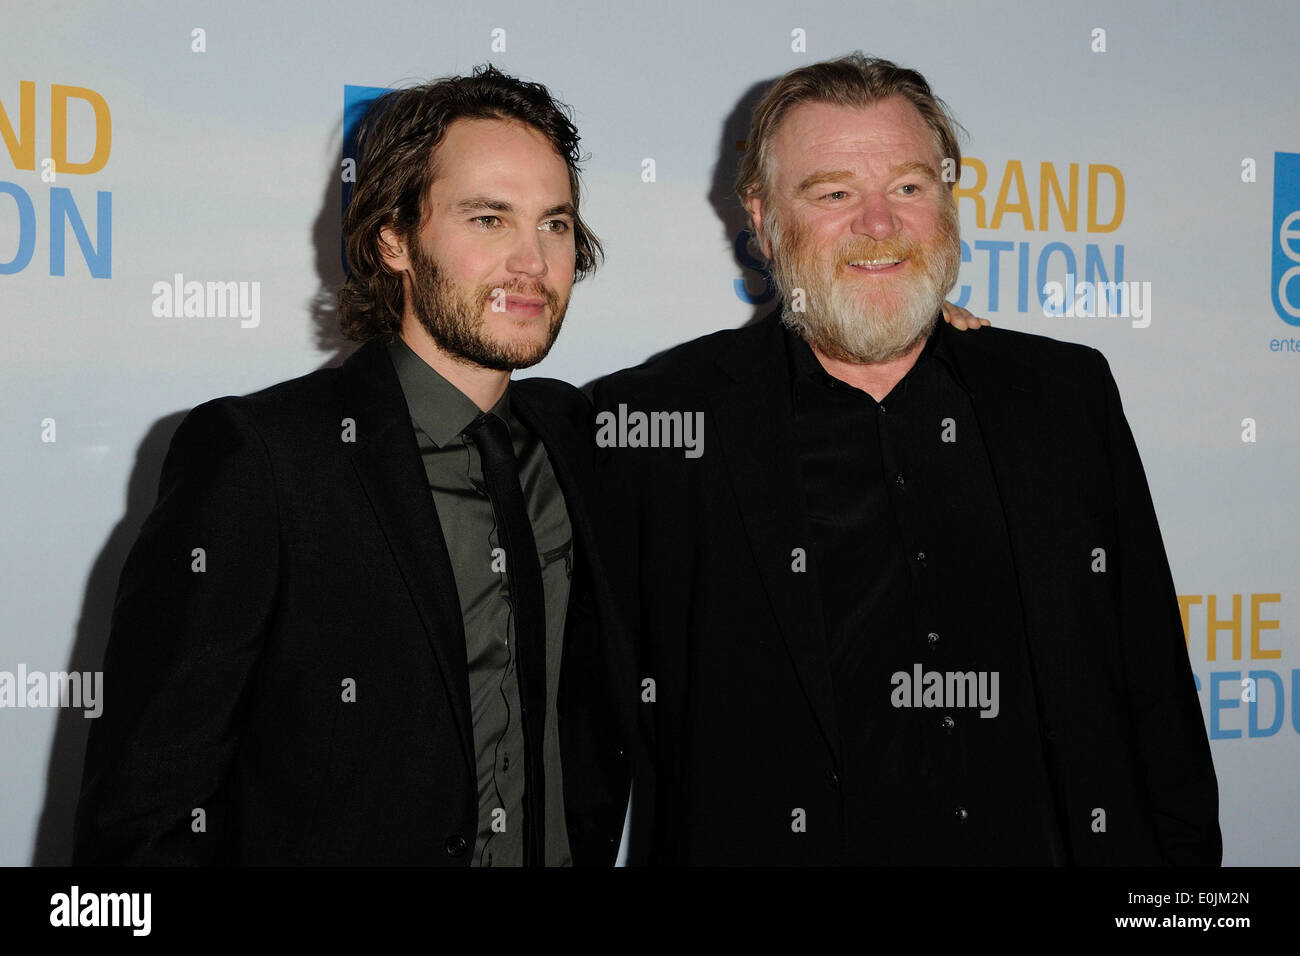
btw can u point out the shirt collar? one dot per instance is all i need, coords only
(804, 364)
(439, 408)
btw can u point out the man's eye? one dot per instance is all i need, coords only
(837, 195)
(909, 189)
(487, 222)
(555, 225)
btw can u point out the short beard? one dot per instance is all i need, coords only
(863, 328)
(453, 317)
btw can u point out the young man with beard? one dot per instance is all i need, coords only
(824, 677)
(366, 622)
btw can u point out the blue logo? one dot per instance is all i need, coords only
(1286, 236)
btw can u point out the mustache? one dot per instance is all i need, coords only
(533, 287)
(861, 247)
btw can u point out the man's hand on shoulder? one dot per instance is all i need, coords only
(961, 319)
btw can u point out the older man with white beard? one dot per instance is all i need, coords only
(911, 605)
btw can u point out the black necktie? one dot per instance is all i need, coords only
(524, 577)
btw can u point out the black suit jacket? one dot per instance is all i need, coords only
(325, 576)
(743, 727)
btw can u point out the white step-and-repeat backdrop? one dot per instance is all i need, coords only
(146, 146)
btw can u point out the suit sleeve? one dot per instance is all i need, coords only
(193, 606)
(1170, 738)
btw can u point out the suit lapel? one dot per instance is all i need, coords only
(754, 419)
(563, 450)
(570, 448)
(1015, 424)
(387, 462)
(597, 677)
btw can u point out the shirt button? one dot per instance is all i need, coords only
(898, 480)
(948, 723)
(960, 813)
(933, 638)
(832, 778)
(882, 409)
(920, 555)
(457, 845)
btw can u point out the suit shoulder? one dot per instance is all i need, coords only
(1026, 345)
(1052, 358)
(284, 399)
(553, 393)
(554, 407)
(281, 409)
(301, 393)
(682, 365)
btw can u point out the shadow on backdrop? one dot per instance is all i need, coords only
(53, 845)
(751, 281)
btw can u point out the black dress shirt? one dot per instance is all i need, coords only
(913, 563)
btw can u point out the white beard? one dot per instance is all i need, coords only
(846, 319)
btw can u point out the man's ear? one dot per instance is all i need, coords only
(392, 249)
(754, 206)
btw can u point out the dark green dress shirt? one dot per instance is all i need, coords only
(439, 413)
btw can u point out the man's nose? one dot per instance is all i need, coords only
(875, 218)
(526, 255)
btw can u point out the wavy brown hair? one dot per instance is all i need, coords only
(854, 81)
(395, 166)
